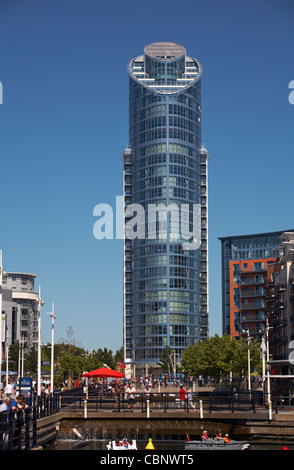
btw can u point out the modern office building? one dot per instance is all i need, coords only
(247, 263)
(20, 305)
(166, 262)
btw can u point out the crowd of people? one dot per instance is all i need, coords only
(13, 406)
(12, 388)
(16, 404)
(126, 390)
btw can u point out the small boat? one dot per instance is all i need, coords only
(216, 444)
(122, 445)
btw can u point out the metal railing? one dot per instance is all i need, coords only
(18, 431)
(163, 402)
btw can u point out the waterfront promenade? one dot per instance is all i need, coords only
(98, 414)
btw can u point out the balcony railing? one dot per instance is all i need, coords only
(252, 271)
(251, 306)
(252, 294)
(249, 282)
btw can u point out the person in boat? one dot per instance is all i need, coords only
(204, 436)
(219, 437)
(226, 439)
(125, 442)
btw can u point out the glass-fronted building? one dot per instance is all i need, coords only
(165, 166)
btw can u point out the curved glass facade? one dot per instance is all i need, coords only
(165, 281)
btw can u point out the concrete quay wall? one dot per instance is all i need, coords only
(173, 425)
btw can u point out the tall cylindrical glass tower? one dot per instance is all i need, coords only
(165, 166)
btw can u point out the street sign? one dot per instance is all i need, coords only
(26, 388)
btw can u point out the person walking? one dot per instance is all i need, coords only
(190, 398)
(182, 397)
(117, 393)
(9, 389)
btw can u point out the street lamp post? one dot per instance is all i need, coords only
(19, 355)
(248, 349)
(267, 360)
(2, 273)
(7, 353)
(22, 356)
(40, 303)
(1, 278)
(52, 315)
(249, 371)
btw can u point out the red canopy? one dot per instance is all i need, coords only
(103, 372)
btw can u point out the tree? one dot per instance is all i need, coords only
(105, 356)
(14, 354)
(240, 359)
(30, 362)
(119, 356)
(218, 356)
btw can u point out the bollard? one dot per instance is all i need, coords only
(85, 409)
(270, 410)
(148, 408)
(201, 409)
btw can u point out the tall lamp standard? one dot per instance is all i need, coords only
(53, 316)
(40, 303)
(1, 325)
(1, 278)
(7, 354)
(267, 360)
(249, 372)
(21, 358)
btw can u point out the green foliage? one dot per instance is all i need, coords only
(13, 354)
(218, 356)
(70, 359)
(30, 362)
(76, 365)
(119, 355)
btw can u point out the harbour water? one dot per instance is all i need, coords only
(165, 445)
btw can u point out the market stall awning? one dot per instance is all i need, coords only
(104, 372)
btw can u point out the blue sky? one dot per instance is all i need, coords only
(64, 126)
